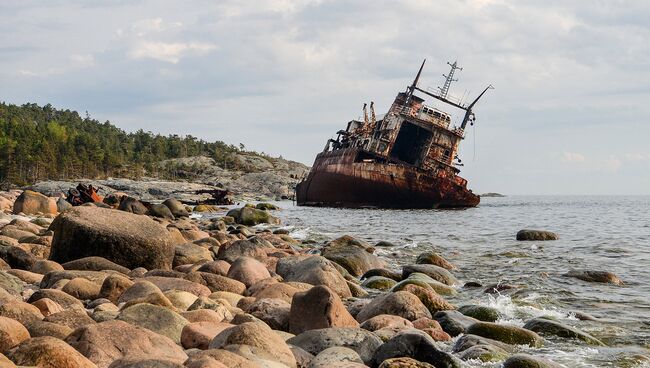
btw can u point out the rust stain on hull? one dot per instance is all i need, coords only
(405, 159)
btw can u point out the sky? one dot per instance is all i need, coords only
(568, 115)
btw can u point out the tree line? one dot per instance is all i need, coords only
(44, 143)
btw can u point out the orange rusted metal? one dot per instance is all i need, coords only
(405, 159)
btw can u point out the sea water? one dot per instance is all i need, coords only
(609, 233)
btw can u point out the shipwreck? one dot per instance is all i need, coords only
(407, 158)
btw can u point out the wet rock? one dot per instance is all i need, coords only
(425, 281)
(252, 216)
(126, 239)
(274, 312)
(484, 353)
(354, 255)
(189, 253)
(176, 207)
(336, 356)
(94, 264)
(200, 334)
(248, 270)
(549, 327)
(434, 259)
(506, 333)
(29, 202)
(266, 206)
(106, 342)
(48, 352)
(365, 343)
(12, 333)
(316, 308)
(480, 312)
(400, 303)
(468, 340)
(499, 288)
(161, 211)
(20, 311)
(437, 273)
(258, 335)
(595, 276)
(417, 345)
(429, 298)
(132, 205)
(72, 318)
(314, 270)
(155, 318)
(453, 322)
(379, 283)
(82, 289)
(528, 361)
(383, 272)
(43, 328)
(539, 235)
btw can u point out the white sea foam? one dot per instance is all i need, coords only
(515, 314)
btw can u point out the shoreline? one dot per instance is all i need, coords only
(256, 279)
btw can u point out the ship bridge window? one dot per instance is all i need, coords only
(411, 143)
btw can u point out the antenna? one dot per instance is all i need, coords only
(448, 79)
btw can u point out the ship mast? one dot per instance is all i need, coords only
(448, 79)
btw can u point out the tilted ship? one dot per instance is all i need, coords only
(406, 158)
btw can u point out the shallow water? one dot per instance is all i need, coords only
(598, 233)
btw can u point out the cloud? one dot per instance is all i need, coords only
(612, 163)
(168, 52)
(572, 157)
(637, 156)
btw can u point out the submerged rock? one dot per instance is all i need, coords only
(506, 333)
(480, 312)
(528, 361)
(539, 235)
(251, 216)
(549, 327)
(595, 276)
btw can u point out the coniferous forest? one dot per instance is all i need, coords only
(40, 143)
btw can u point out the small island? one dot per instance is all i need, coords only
(492, 195)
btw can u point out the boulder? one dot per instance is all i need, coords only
(129, 240)
(12, 333)
(467, 341)
(43, 328)
(94, 264)
(379, 283)
(528, 361)
(546, 326)
(258, 335)
(30, 202)
(132, 205)
(113, 287)
(189, 253)
(43, 266)
(429, 298)
(484, 353)
(11, 284)
(17, 257)
(220, 358)
(140, 290)
(72, 318)
(20, 311)
(404, 362)
(218, 282)
(48, 306)
(144, 363)
(155, 318)
(63, 299)
(248, 270)
(595, 276)
(176, 207)
(400, 303)
(161, 211)
(355, 256)
(48, 352)
(180, 299)
(417, 345)
(251, 216)
(386, 321)
(274, 312)
(317, 308)
(539, 235)
(62, 204)
(480, 312)
(435, 259)
(106, 342)
(26, 276)
(437, 273)
(506, 333)
(172, 283)
(453, 322)
(279, 290)
(254, 247)
(82, 289)
(425, 281)
(199, 334)
(314, 270)
(336, 356)
(365, 343)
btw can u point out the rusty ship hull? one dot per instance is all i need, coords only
(406, 158)
(337, 181)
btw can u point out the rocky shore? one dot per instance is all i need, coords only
(120, 285)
